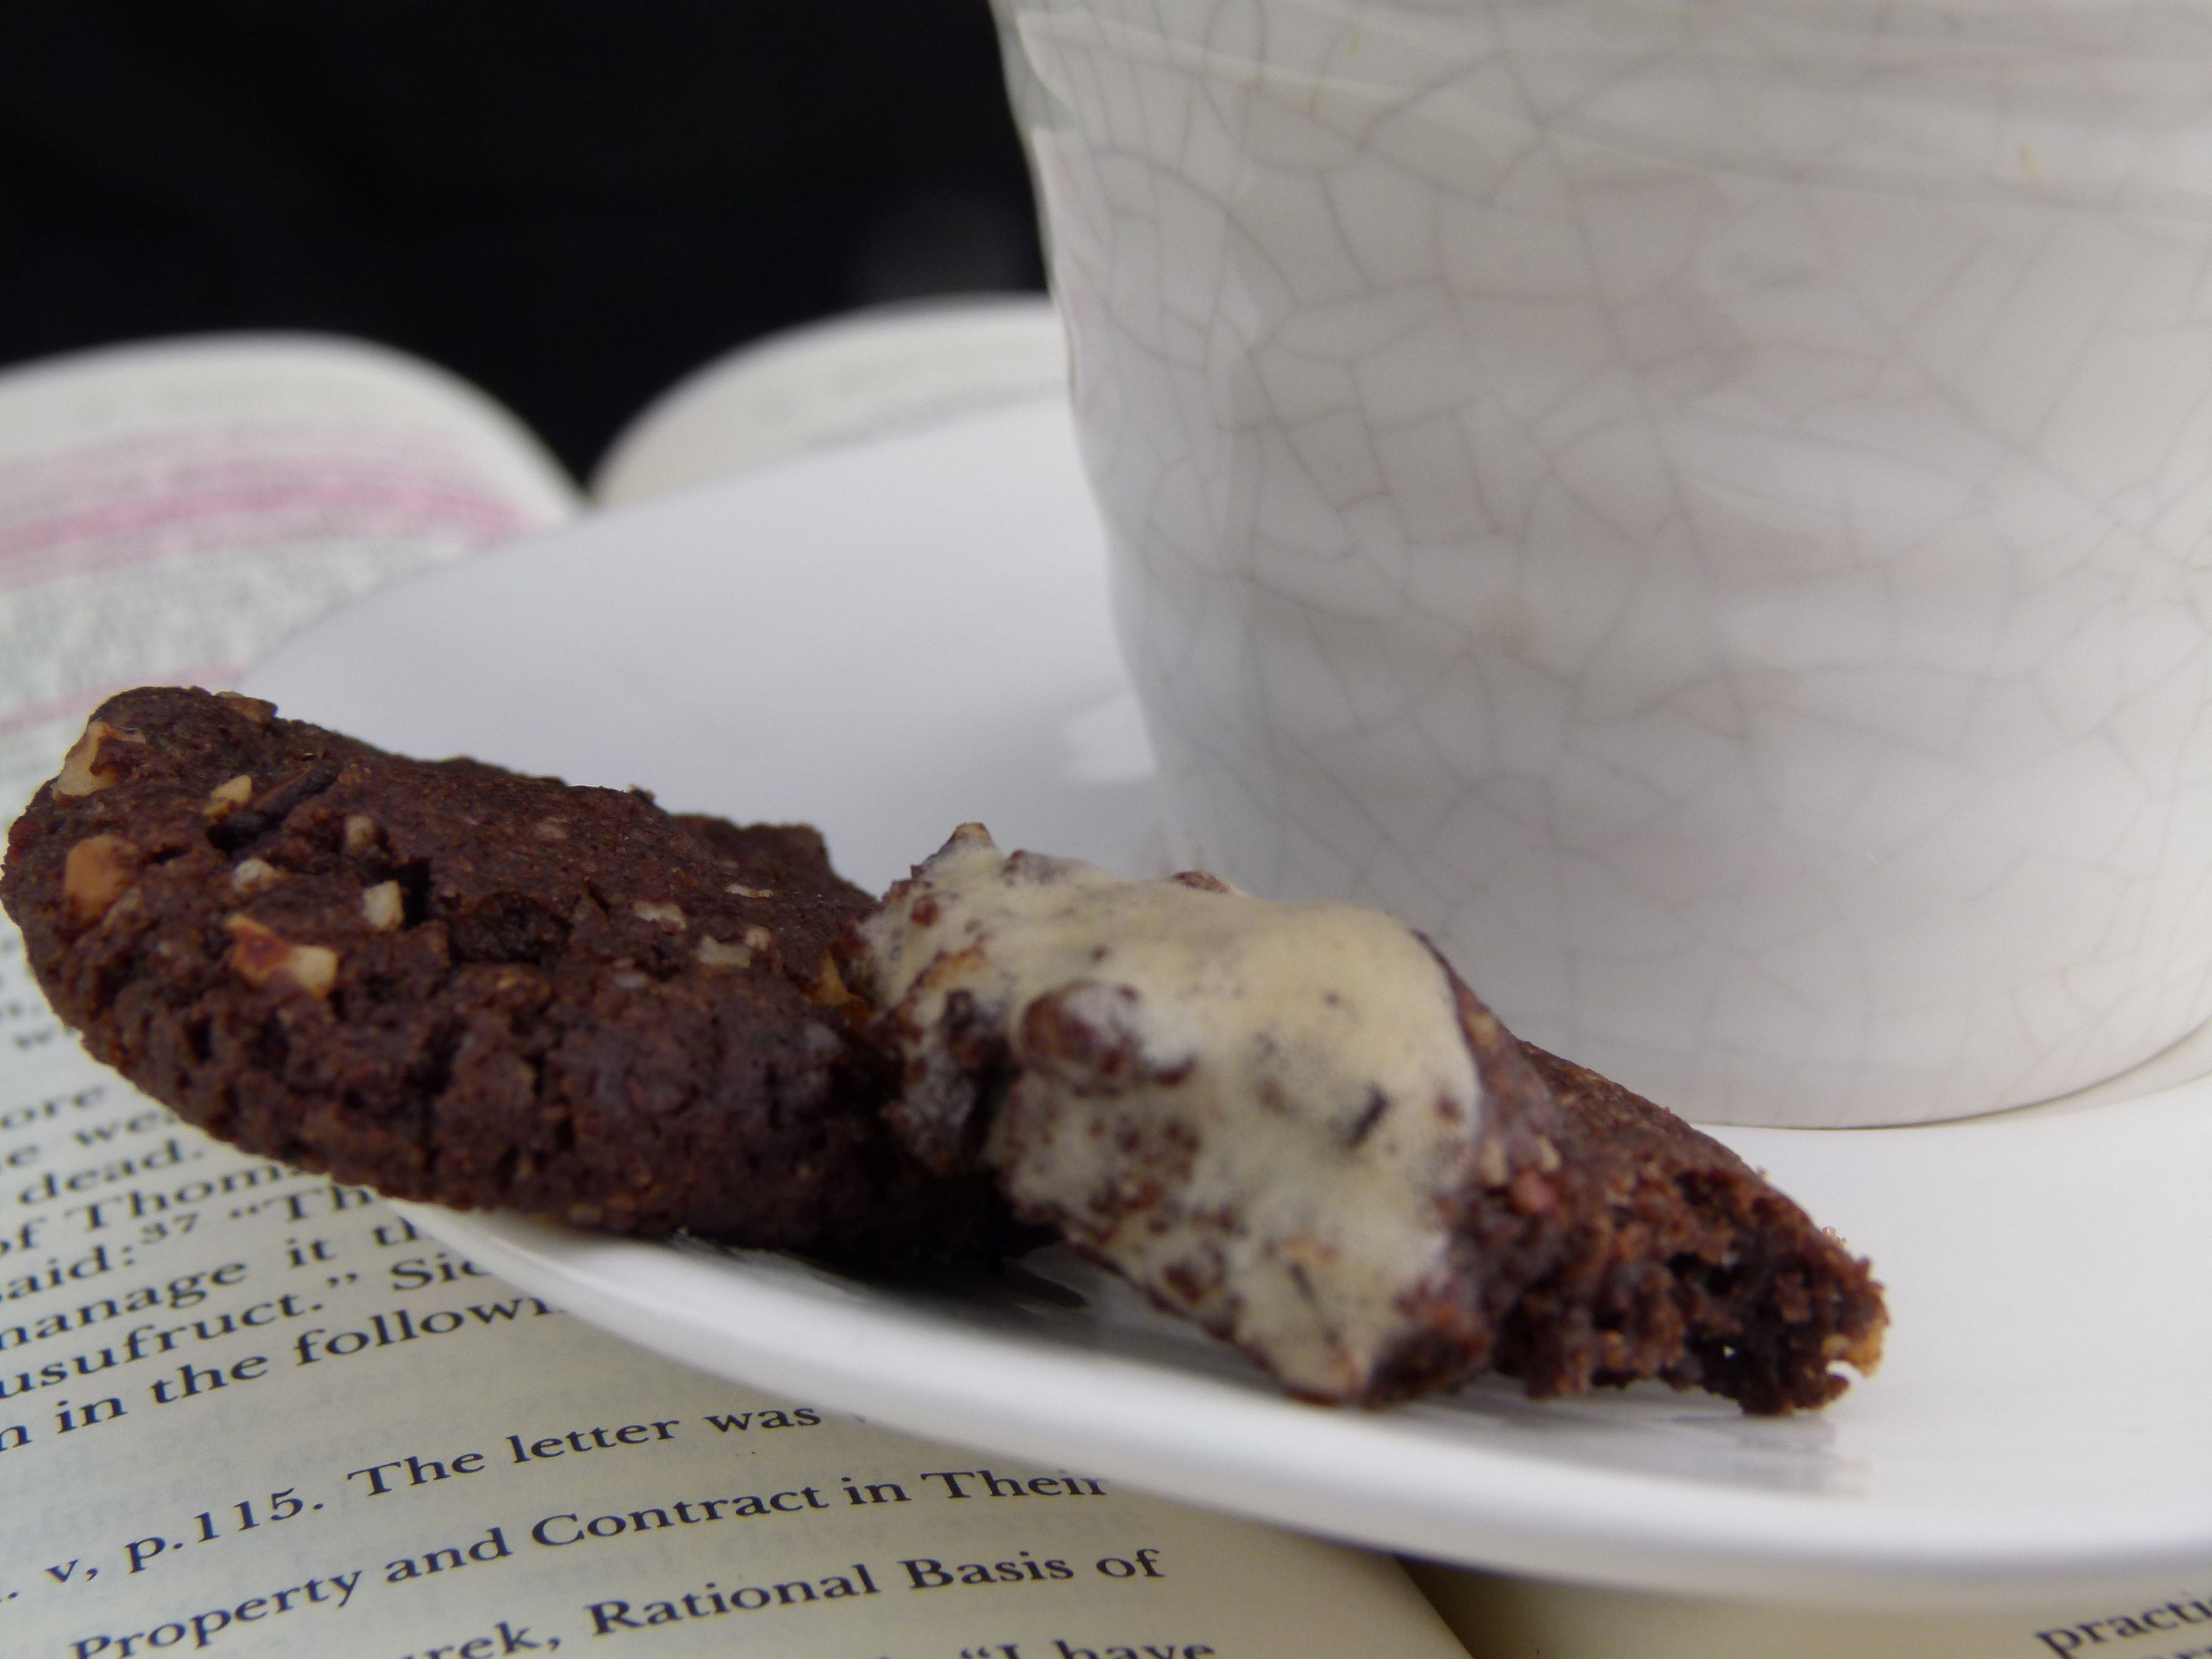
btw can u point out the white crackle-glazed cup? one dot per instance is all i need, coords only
(1702, 507)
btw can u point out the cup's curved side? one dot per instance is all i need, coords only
(1751, 608)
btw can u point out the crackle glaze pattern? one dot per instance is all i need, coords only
(1702, 508)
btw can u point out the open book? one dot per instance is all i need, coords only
(246, 1410)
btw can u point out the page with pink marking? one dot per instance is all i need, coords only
(170, 511)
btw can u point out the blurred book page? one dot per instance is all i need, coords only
(854, 377)
(168, 511)
(1500, 1617)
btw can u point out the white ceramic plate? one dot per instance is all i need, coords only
(889, 640)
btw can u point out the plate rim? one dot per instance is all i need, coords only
(1540, 1516)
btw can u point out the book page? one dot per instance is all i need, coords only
(1500, 1617)
(169, 512)
(854, 377)
(247, 1411)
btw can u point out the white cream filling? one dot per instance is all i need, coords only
(1256, 1111)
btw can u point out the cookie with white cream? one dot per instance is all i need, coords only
(1266, 1115)
(1292, 1122)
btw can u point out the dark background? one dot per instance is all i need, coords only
(569, 201)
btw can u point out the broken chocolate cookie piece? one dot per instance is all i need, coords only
(1294, 1125)
(450, 982)
(1677, 1260)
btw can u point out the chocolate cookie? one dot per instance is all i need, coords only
(450, 982)
(1292, 1124)
(1674, 1259)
